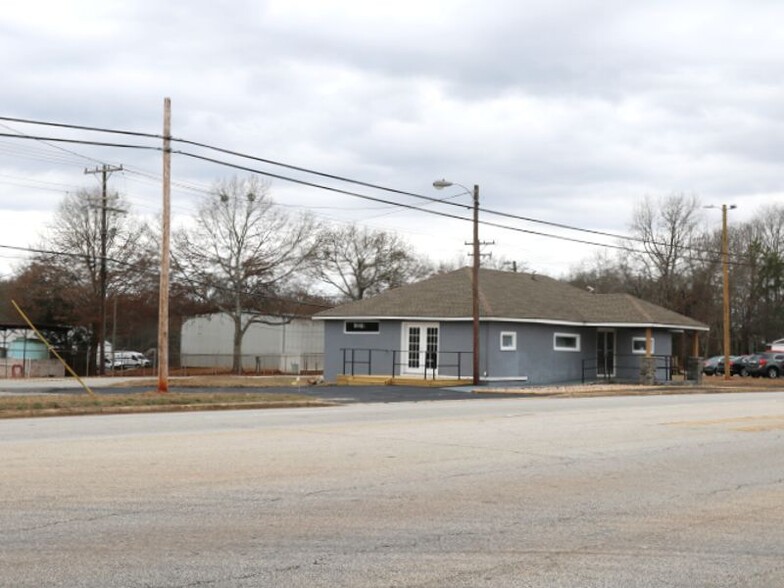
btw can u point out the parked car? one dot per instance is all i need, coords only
(129, 359)
(767, 364)
(777, 346)
(739, 365)
(710, 365)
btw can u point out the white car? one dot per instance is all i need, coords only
(129, 360)
(777, 346)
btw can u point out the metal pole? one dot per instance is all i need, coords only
(475, 288)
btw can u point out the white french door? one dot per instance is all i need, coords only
(420, 348)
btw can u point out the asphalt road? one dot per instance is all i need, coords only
(642, 491)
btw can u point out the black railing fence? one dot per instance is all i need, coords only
(397, 362)
(627, 368)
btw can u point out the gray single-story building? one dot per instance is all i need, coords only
(532, 328)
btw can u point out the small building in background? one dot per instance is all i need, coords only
(273, 347)
(23, 357)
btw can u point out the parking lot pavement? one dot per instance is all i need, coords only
(340, 394)
(382, 394)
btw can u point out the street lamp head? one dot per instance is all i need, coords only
(441, 184)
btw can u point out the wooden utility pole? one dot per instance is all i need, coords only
(725, 253)
(725, 263)
(163, 297)
(104, 170)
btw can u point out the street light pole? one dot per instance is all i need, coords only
(725, 263)
(475, 287)
(439, 184)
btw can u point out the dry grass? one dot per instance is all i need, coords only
(69, 404)
(229, 381)
(710, 384)
(743, 383)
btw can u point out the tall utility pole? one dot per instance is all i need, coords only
(105, 170)
(725, 254)
(725, 266)
(163, 296)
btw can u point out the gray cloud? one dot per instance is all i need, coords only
(568, 111)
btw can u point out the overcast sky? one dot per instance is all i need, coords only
(563, 111)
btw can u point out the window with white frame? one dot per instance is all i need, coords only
(508, 341)
(566, 342)
(639, 344)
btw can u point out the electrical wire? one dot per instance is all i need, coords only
(330, 176)
(333, 189)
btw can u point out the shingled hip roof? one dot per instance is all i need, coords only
(508, 296)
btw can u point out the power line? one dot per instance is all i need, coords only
(328, 176)
(81, 127)
(63, 149)
(82, 142)
(218, 149)
(337, 190)
(314, 185)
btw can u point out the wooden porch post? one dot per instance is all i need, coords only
(648, 342)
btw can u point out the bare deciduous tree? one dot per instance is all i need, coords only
(241, 254)
(667, 228)
(72, 274)
(360, 262)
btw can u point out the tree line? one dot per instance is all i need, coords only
(673, 258)
(243, 255)
(240, 254)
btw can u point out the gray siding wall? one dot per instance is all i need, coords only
(377, 362)
(456, 348)
(373, 353)
(535, 357)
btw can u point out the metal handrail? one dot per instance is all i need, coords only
(664, 363)
(355, 358)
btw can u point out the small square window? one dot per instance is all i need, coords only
(638, 345)
(566, 342)
(508, 341)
